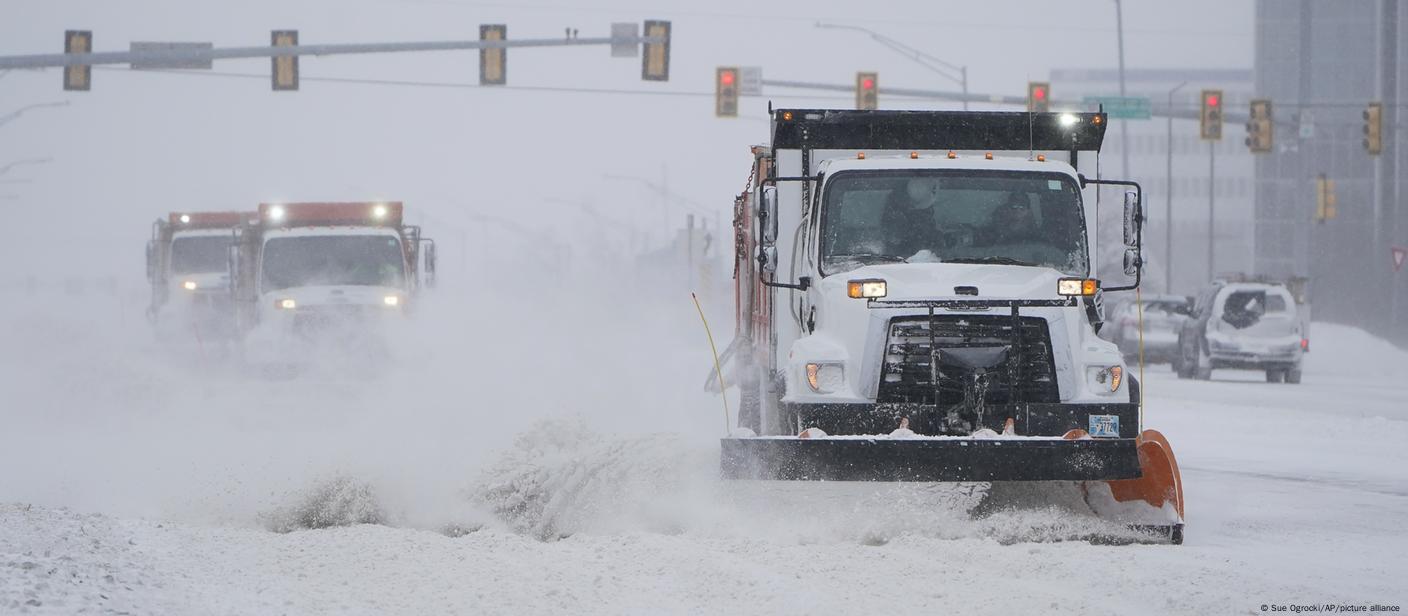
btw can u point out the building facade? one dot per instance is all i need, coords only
(1321, 64)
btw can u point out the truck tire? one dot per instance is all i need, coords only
(1293, 376)
(1275, 376)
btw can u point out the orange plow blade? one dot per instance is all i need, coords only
(1159, 482)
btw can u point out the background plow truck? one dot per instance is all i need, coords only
(917, 301)
(188, 268)
(322, 282)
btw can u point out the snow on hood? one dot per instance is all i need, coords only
(914, 281)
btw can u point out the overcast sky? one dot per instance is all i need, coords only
(142, 144)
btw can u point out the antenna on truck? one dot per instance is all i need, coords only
(1031, 140)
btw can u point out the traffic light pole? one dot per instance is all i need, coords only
(1212, 217)
(1168, 200)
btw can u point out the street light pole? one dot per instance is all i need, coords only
(1168, 202)
(946, 70)
(9, 117)
(1124, 124)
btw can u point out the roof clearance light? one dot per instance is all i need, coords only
(988, 156)
(787, 116)
(185, 218)
(1041, 158)
(870, 288)
(379, 212)
(1070, 287)
(913, 155)
(1069, 119)
(951, 155)
(860, 155)
(276, 212)
(1097, 120)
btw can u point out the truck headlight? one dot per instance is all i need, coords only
(285, 304)
(1106, 380)
(189, 285)
(825, 378)
(391, 300)
(1077, 286)
(869, 288)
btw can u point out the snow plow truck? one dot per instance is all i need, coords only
(917, 301)
(188, 268)
(317, 282)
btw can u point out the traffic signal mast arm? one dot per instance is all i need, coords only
(157, 56)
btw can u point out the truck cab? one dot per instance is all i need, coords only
(309, 274)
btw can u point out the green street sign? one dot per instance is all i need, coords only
(1121, 107)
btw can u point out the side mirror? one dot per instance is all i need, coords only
(430, 265)
(1132, 262)
(1131, 219)
(151, 262)
(767, 215)
(767, 258)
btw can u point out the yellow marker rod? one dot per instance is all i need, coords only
(728, 421)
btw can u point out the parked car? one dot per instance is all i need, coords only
(1246, 324)
(1162, 321)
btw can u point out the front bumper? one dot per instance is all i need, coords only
(1252, 360)
(928, 459)
(1028, 419)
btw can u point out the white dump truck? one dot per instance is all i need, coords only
(188, 268)
(320, 281)
(917, 300)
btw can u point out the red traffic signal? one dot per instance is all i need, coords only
(1038, 96)
(1210, 119)
(726, 92)
(867, 94)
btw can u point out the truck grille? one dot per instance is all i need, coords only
(905, 376)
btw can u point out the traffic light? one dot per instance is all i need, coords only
(493, 61)
(1260, 129)
(726, 92)
(1210, 125)
(78, 76)
(1324, 199)
(1038, 96)
(1374, 129)
(285, 72)
(655, 62)
(867, 91)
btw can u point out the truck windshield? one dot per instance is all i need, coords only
(200, 254)
(372, 260)
(952, 216)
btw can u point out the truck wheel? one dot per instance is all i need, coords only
(1293, 376)
(1275, 376)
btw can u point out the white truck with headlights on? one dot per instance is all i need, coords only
(313, 277)
(188, 268)
(912, 284)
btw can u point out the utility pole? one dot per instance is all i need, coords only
(1390, 223)
(1212, 212)
(1168, 202)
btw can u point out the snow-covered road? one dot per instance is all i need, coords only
(132, 486)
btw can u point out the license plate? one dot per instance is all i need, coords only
(1105, 426)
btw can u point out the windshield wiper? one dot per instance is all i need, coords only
(990, 261)
(866, 255)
